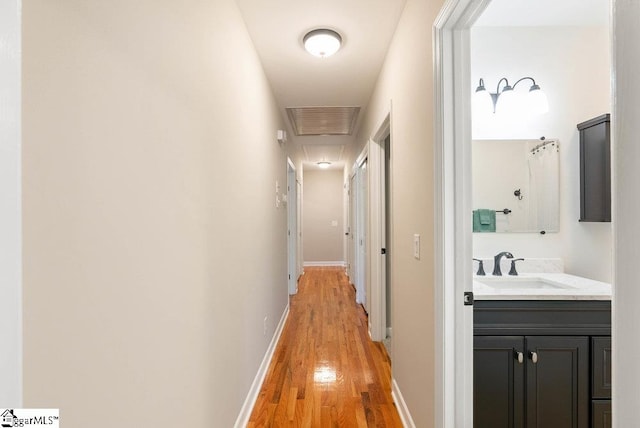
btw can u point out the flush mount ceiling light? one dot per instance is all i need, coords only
(323, 164)
(507, 100)
(322, 42)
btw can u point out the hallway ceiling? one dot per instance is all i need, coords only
(299, 79)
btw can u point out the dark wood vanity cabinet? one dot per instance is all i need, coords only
(542, 364)
(531, 381)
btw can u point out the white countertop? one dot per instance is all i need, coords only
(573, 288)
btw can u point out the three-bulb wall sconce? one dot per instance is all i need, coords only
(507, 99)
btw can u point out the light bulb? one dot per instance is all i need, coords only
(537, 100)
(482, 102)
(506, 102)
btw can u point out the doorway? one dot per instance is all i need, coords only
(453, 202)
(386, 187)
(359, 195)
(292, 228)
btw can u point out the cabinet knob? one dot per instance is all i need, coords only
(534, 357)
(520, 357)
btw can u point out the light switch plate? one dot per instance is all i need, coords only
(416, 246)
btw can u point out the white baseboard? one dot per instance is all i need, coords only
(250, 401)
(403, 410)
(311, 264)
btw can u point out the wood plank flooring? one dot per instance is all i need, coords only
(326, 371)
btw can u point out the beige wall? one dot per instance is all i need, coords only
(322, 205)
(406, 82)
(153, 250)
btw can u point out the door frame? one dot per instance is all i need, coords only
(292, 228)
(453, 234)
(360, 229)
(377, 235)
(351, 221)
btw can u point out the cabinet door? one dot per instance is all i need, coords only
(595, 169)
(498, 382)
(601, 375)
(601, 414)
(557, 382)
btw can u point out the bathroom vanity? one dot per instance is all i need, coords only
(542, 352)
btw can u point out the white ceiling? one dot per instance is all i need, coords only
(367, 26)
(299, 79)
(535, 13)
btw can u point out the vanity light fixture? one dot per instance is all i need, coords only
(322, 42)
(505, 100)
(323, 164)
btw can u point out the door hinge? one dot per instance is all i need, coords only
(468, 298)
(289, 276)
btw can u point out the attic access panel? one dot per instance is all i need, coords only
(309, 121)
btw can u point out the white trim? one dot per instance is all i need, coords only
(11, 277)
(335, 264)
(401, 406)
(360, 228)
(292, 228)
(376, 241)
(625, 210)
(364, 154)
(452, 200)
(374, 261)
(252, 396)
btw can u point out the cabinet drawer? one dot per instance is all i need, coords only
(601, 367)
(601, 414)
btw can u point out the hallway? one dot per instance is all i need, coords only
(326, 371)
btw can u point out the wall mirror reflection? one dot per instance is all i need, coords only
(515, 185)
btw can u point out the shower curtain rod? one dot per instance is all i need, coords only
(544, 143)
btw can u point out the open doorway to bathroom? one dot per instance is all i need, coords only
(456, 129)
(526, 179)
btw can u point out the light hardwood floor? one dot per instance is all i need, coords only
(326, 371)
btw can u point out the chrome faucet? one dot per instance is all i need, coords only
(496, 262)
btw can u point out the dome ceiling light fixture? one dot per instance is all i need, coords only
(324, 164)
(322, 42)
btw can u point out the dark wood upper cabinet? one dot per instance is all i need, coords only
(595, 169)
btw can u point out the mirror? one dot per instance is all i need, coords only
(518, 180)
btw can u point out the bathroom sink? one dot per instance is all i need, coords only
(523, 283)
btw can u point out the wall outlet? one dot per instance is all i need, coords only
(264, 332)
(416, 246)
